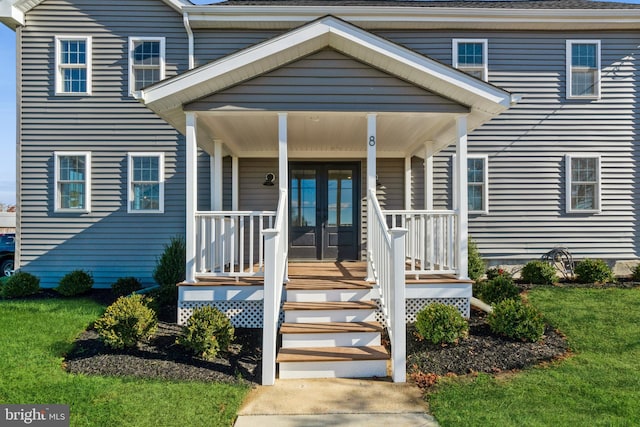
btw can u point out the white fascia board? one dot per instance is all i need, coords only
(10, 15)
(414, 17)
(440, 74)
(26, 5)
(333, 32)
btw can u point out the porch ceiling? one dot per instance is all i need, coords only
(322, 134)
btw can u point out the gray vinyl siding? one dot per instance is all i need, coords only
(326, 81)
(527, 145)
(108, 241)
(210, 45)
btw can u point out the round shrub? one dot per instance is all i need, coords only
(207, 332)
(440, 323)
(498, 289)
(77, 282)
(475, 263)
(125, 286)
(539, 273)
(593, 271)
(21, 284)
(126, 322)
(517, 320)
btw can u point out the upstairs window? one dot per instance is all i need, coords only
(470, 56)
(146, 62)
(477, 184)
(583, 183)
(72, 178)
(146, 183)
(583, 69)
(73, 65)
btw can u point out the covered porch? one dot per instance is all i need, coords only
(324, 94)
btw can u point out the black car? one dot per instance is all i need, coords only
(7, 253)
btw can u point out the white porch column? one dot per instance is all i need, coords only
(371, 181)
(461, 203)
(283, 178)
(191, 196)
(235, 182)
(428, 178)
(407, 183)
(216, 177)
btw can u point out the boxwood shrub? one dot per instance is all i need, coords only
(207, 332)
(593, 271)
(539, 273)
(126, 286)
(498, 289)
(126, 322)
(440, 323)
(515, 319)
(77, 282)
(21, 284)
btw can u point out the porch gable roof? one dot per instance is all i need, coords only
(167, 97)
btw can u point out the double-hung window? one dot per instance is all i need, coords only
(72, 181)
(73, 65)
(477, 184)
(583, 69)
(146, 62)
(470, 56)
(146, 183)
(583, 183)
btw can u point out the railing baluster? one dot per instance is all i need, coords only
(241, 244)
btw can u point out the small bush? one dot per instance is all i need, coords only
(539, 273)
(440, 323)
(125, 286)
(170, 270)
(636, 273)
(498, 289)
(494, 272)
(126, 322)
(593, 271)
(475, 262)
(21, 284)
(77, 282)
(207, 332)
(517, 320)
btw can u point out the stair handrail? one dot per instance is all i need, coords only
(275, 263)
(386, 256)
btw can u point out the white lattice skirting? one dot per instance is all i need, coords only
(243, 314)
(414, 305)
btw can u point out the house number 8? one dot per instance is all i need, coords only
(372, 141)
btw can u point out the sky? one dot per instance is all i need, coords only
(8, 112)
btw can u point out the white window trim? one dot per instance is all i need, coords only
(485, 192)
(568, 183)
(568, 58)
(485, 56)
(132, 40)
(130, 194)
(56, 190)
(59, 81)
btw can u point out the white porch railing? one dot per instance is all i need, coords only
(230, 243)
(386, 255)
(431, 240)
(276, 244)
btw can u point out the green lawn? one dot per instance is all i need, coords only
(598, 386)
(35, 335)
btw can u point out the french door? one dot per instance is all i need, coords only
(324, 210)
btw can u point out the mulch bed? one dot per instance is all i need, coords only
(162, 358)
(482, 351)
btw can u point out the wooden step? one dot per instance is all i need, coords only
(330, 305)
(332, 354)
(326, 283)
(330, 328)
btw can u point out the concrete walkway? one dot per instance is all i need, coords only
(335, 402)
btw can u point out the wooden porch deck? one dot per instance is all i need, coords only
(328, 275)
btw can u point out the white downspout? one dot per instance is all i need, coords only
(187, 27)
